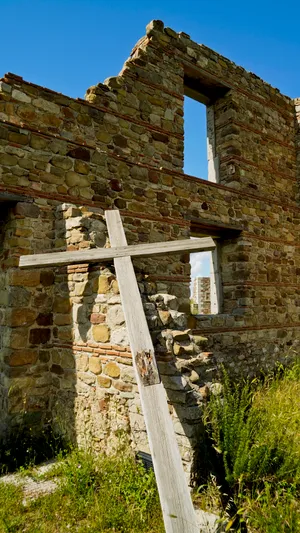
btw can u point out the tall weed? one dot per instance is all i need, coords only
(255, 426)
(255, 429)
(273, 510)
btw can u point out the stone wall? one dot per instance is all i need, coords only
(64, 351)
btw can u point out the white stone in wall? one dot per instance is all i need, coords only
(120, 336)
(115, 316)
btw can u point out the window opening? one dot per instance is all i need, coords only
(195, 144)
(206, 291)
(200, 156)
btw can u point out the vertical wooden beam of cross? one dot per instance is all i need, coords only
(176, 503)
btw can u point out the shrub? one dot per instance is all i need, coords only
(255, 426)
(255, 429)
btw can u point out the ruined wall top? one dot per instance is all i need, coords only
(137, 118)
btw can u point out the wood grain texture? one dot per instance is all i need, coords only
(104, 254)
(176, 503)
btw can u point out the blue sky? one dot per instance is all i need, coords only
(69, 45)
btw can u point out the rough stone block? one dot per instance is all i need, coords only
(95, 365)
(67, 359)
(23, 357)
(39, 335)
(120, 336)
(61, 305)
(164, 316)
(21, 96)
(100, 333)
(122, 386)
(27, 278)
(103, 285)
(82, 363)
(112, 369)
(180, 335)
(22, 317)
(104, 382)
(115, 316)
(26, 209)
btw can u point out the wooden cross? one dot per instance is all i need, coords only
(176, 503)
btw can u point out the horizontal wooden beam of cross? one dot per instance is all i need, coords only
(95, 255)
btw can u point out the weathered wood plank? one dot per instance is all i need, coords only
(177, 507)
(103, 254)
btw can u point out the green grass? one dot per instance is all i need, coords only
(100, 495)
(275, 509)
(252, 464)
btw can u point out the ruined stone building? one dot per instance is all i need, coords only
(65, 355)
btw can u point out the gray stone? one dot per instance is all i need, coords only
(45, 105)
(20, 96)
(183, 429)
(115, 316)
(97, 231)
(180, 319)
(5, 87)
(174, 382)
(149, 308)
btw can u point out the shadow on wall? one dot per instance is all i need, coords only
(27, 354)
(91, 356)
(69, 363)
(4, 209)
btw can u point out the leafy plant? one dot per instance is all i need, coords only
(254, 427)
